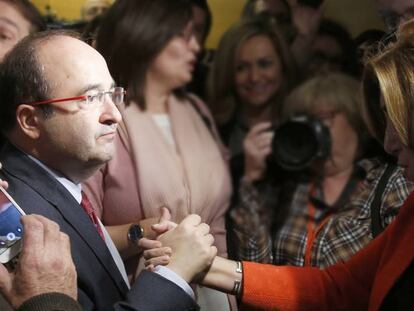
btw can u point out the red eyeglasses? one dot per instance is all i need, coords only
(117, 95)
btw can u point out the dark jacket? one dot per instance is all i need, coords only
(100, 284)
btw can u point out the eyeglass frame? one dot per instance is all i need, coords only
(86, 98)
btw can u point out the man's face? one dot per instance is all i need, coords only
(13, 28)
(73, 136)
(395, 12)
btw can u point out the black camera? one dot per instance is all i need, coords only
(300, 141)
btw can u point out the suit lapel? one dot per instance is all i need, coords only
(22, 167)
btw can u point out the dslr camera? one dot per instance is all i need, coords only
(299, 142)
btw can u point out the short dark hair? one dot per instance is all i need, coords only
(30, 13)
(133, 33)
(21, 77)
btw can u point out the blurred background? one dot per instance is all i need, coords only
(357, 16)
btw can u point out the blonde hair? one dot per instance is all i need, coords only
(338, 91)
(221, 94)
(390, 74)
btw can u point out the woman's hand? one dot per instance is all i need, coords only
(257, 146)
(155, 226)
(154, 254)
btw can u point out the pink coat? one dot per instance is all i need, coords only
(147, 173)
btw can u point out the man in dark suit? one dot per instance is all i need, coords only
(58, 112)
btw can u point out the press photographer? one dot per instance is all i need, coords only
(333, 212)
(300, 141)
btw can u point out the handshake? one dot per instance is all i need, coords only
(186, 248)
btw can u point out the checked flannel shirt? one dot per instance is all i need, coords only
(347, 230)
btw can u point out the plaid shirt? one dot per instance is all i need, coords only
(347, 230)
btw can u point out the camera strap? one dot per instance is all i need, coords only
(375, 207)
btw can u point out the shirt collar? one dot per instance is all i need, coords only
(74, 189)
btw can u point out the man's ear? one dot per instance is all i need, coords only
(29, 120)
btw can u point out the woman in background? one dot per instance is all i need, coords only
(167, 151)
(252, 72)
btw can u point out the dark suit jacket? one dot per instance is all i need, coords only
(100, 284)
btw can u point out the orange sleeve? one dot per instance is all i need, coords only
(344, 286)
(268, 287)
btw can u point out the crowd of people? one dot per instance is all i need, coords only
(153, 170)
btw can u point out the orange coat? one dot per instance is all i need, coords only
(362, 283)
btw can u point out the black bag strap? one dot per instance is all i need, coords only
(376, 226)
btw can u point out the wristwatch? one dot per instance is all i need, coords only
(135, 233)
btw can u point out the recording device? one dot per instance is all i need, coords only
(312, 3)
(11, 229)
(300, 141)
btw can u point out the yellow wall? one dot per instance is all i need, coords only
(225, 13)
(357, 16)
(68, 10)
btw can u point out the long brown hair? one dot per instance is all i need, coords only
(221, 93)
(133, 33)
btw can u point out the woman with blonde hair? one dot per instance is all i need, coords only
(224, 89)
(252, 72)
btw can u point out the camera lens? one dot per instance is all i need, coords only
(300, 141)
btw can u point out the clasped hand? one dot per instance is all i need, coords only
(186, 248)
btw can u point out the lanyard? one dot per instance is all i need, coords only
(312, 231)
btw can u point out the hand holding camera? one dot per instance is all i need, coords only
(293, 146)
(257, 147)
